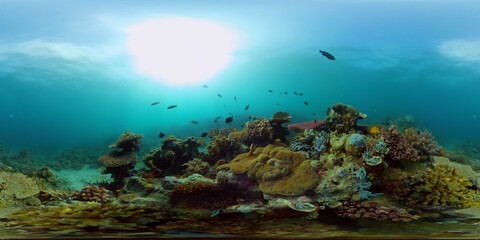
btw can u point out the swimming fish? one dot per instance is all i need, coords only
(193, 122)
(286, 93)
(252, 147)
(295, 93)
(155, 103)
(313, 114)
(173, 106)
(235, 129)
(300, 94)
(161, 135)
(249, 116)
(216, 119)
(327, 55)
(306, 103)
(205, 86)
(220, 162)
(156, 172)
(270, 91)
(235, 97)
(229, 120)
(204, 134)
(126, 132)
(219, 95)
(278, 104)
(246, 108)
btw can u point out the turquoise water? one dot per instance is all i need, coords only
(68, 81)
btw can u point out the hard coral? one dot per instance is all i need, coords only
(423, 142)
(342, 118)
(258, 132)
(117, 158)
(196, 166)
(400, 148)
(128, 142)
(374, 211)
(91, 194)
(221, 148)
(277, 169)
(204, 195)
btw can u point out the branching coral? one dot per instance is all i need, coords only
(258, 132)
(400, 148)
(423, 142)
(278, 170)
(196, 166)
(374, 211)
(342, 118)
(222, 148)
(204, 195)
(91, 194)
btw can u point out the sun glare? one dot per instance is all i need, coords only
(180, 51)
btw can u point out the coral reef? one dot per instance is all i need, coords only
(91, 194)
(120, 163)
(196, 166)
(173, 153)
(280, 132)
(258, 132)
(445, 185)
(74, 159)
(374, 211)
(217, 132)
(306, 125)
(423, 142)
(17, 161)
(400, 148)
(342, 118)
(17, 189)
(204, 195)
(277, 169)
(222, 148)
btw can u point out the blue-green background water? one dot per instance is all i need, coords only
(66, 79)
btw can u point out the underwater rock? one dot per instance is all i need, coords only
(258, 132)
(204, 195)
(342, 118)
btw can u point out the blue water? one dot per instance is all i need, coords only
(393, 58)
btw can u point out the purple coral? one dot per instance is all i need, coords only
(400, 147)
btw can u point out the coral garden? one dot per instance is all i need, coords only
(333, 169)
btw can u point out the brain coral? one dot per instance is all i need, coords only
(18, 185)
(277, 169)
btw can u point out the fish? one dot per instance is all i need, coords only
(216, 119)
(286, 93)
(126, 132)
(220, 162)
(235, 129)
(205, 86)
(246, 107)
(235, 97)
(278, 104)
(295, 93)
(155, 103)
(193, 122)
(161, 135)
(313, 114)
(252, 147)
(173, 106)
(306, 103)
(270, 91)
(327, 55)
(300, 94)
(204, 134)
(229, 120)
(155, 173)
(219, 95)
(249, 116)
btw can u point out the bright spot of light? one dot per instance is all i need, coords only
(180, 51)
(461, 50)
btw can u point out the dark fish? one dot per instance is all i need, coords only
(229, 120)
(306, 103)
(315, 121)
(218, 117)
(155, 103)
(242, 126)
(270, 91)
(246, 107)
(281, 93)
(313, 114)
(327, 55)
(205, 86)
(193, 122)
(300, 94)
(249, 116)
(204, 134)
(173, 106)
(286, 93)
(235, 97)
(295, 93)
(219, 95)
(161, 135)
(278, 104)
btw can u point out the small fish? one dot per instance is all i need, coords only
(249, 116)
(270, 91)
(219, 95)
(306, 103)
(204, 134)
(235, 97)
(126, 132)
(229, 120)
(327, 55)
(246, 107)
(406, 130)
(313, 114)
(295, 93)
(173, 106)
(155, 173)
(216, 119)
(286, 93)
(193, 122)
(161, 135)
(155, 103)
(281, 93)
(242, 126)
(235, 129)
(205, 86)
(300, 94)
(278, 104)
(220, 162)
(252, 147)
(315, 121)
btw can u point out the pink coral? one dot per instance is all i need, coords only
(400, 147)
